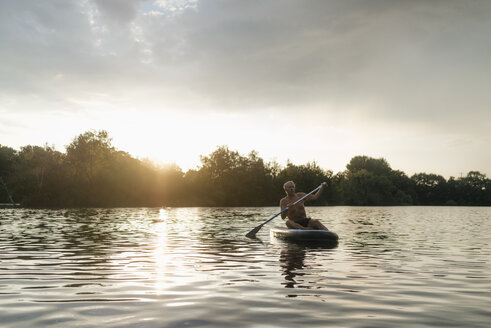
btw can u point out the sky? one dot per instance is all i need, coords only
(296, 81)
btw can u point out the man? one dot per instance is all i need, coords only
(297, 218)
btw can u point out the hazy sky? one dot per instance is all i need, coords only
(301, 80)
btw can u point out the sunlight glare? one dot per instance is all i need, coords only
(170, 251)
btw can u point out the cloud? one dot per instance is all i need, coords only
(425, 61)
(415, 61)
(120, 12)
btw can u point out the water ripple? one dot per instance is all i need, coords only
(193, 267)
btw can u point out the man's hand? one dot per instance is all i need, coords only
(324, 185)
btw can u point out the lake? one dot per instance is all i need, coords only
(194, 267)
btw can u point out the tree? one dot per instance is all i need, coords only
(366, 188)
(88, 153)
(473, 189)
(405, 193)
(306, 177)
(431, 189)
(170, 188)
(88, 156)
(40, 177)
(370, 181)
(226, 178)
(375, 166)
(7, 159)
(93, 173)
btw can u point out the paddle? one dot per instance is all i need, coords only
(252, 234)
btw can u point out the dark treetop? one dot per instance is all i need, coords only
(92, 173)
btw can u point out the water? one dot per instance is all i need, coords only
(193, 267)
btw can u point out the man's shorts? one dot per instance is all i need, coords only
(303, 222)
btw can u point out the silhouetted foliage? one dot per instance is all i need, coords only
(7, 159)
(227, 178)
(370, 181)
(92, 173)
(40, 176)
(306, 178)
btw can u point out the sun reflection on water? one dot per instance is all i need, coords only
(172, 254)
(160, 252)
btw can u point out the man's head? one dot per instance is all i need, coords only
(289, 187)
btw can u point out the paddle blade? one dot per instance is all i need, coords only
(252, 234)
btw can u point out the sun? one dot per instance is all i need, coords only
(173, 137)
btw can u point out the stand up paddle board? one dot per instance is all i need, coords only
(303, 234)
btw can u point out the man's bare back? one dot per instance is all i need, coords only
(296, 214)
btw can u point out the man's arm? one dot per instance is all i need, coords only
(318, 193)
(282, 207)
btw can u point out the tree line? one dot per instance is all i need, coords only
(93, 173)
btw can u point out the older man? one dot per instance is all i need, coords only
(297, 217)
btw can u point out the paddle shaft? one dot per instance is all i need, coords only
(286, 208)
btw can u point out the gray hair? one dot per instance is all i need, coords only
(284, 185)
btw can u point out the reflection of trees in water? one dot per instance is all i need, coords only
(86, 236)
(97, 232)
(75, 251)
(292, 258)
(223, 229)
(292, 261)
(213, 240)
(376, 236)
(370, 227)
